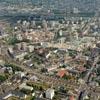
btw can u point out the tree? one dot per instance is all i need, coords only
(14, 67)
(12, 40)
(27, 57)
(33, 98)
(43, 70)
(2, 78)
(98, 71)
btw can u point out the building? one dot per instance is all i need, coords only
(61, 73)
(21, 74)
(72, 97)
(50, 93)
(19, 37)
(2, 70)
(10, 49)
(52, 68)
(2, 62)
(24, 86)
(31, 48)
(20, 55)
(17, 94)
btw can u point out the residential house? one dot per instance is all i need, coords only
(20, 56)
(2, 70)
(34, 78)
(2, 62)
(51, 68)
(19, 37)
(10, 70)
(50, 93)
(30, 48)
(11, 50)
(22, 74)
(61, 73)
(72, 97)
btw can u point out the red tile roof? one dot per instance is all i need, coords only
(71, 98)
(82, 69)
(61, 73)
